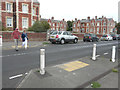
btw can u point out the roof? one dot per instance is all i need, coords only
(43, 19)
(36, 1)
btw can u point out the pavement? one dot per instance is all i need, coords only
(74, 74)
(10, 45)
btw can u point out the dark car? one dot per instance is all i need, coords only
(90, 37)
(119, 37)
(115, 36)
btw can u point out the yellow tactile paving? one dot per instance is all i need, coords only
(19, 46)
(71, 66)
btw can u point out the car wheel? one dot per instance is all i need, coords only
(62, 41)
(83, 40)
(53, 42)
(75, 40)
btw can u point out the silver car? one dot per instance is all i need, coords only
(62, 37)
(106, 37)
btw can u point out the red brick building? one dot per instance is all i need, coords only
(98, 25)
(20, 13)
(56, 24)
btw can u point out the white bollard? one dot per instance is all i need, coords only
(94, 52)
(42, 61)
(113, 53)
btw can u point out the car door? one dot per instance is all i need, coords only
(65, 36)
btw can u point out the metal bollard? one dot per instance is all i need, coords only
(94, 52)
(113, 53)
(42, 61)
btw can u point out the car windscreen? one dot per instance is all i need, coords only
(87, 35)
(55, 33)
(104, 36)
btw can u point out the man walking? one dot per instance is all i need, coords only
(16, 36)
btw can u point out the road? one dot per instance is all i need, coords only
(19, 63)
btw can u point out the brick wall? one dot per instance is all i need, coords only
(31, 36)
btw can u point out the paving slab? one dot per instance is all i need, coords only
(57, 77)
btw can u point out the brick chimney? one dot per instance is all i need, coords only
(75, 19)
(63, 19)
(52, 18)
(88, 18)
(95, 17)
(102, 16)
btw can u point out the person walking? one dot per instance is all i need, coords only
(16, 35)
(24, 39)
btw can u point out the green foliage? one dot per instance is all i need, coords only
(46, 43)
(42, 26)
(95, 85)
(114, 70)
(70, 24)
(6, 29)
(118, 27)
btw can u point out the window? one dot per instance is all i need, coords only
(97, 30)
(9, 22)
(33, 22)
(9, 7)
(25, 8)
(74, 25)
(104, 23)
(24, 22)
(87, 24)
(34, 11)
(53, 24)
(104, 30)
(98, 24)
(87, 30)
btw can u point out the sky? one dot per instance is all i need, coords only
(80, 9)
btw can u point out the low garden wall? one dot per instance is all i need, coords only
(35, 36)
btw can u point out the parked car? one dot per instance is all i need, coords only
(119, 37)
(62, 37)
(115, 36)
(90, 37)
(106, 37)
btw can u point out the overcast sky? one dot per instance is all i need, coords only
(80, 9)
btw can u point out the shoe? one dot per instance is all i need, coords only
(16, 49)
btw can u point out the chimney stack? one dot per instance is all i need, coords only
(95, 17)
(63, 19)
(52, 18)
(102, 16)
(75, 19)
(88, 18)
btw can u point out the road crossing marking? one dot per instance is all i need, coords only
(20, 75)
(97, 55)
(16, 76)
(105, 53)
(71, 66)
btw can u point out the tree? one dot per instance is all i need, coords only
(70, 24)
(118, 27)
(39, 26)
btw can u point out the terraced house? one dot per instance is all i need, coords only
(100, 26)
(58, 25)
(20, 13)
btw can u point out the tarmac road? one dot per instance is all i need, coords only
(15, 65)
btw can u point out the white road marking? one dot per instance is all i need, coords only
(97, 55)
(20, 75)
(105, 53)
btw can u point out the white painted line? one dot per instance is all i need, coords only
(15, 76)
(97, 55)
(105, 53)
